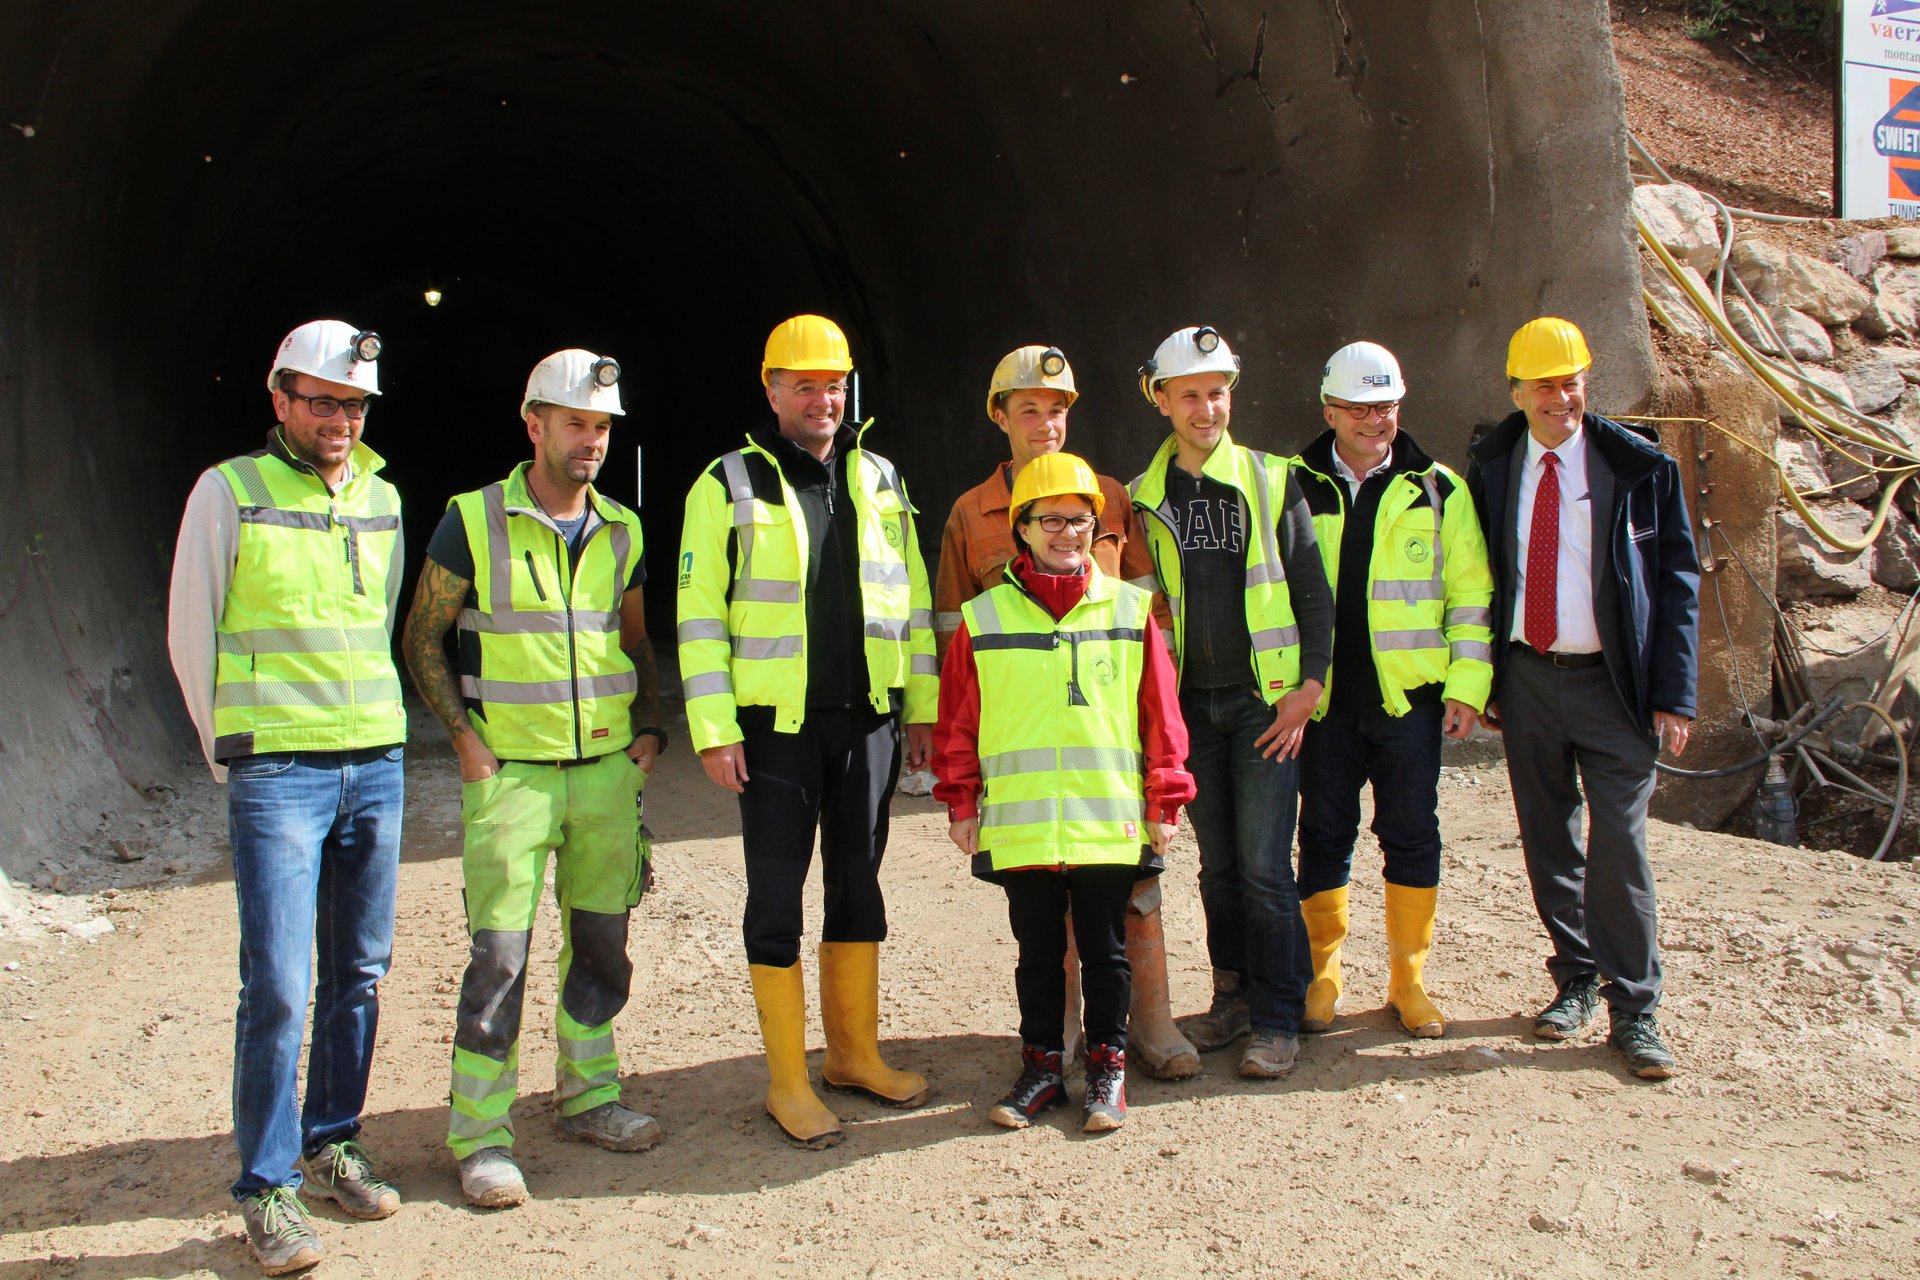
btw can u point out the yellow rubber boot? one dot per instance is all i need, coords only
(1409, 938)
(780, 997)
(1326, 916)
(850, 1008)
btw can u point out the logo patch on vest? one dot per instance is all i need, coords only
(1131, 833)
(599, 733)
(892, 532)
(1102, 671)
(1416, 550)
(686, 569)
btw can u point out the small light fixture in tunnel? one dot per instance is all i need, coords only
(1053, 362)
(606, 371)
(366, 346)
(433, 297)
(1206, 339)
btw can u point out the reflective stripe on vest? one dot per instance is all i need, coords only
(1061, 762)
(303, 654)
(551, 680)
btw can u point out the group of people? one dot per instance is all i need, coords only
(1090, 659)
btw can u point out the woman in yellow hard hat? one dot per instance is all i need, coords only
(1060, 752)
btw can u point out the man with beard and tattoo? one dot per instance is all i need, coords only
(554, 718)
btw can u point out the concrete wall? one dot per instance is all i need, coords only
(667, 182)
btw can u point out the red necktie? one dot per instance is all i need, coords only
(1542, 622)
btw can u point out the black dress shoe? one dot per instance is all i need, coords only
(1637, 1037)
(1572, 1011)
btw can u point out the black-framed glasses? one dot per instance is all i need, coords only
(1058, 524)
(1361, 412)
(327, 406)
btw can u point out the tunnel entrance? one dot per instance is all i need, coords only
(183, 181)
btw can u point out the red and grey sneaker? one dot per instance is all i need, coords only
(1106, 1089)
(1040, 1086)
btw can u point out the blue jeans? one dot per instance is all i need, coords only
(1400, 756)
(1243, 818)
(316, 853)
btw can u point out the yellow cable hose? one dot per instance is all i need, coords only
(1907, 461)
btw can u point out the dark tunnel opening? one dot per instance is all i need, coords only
(185, 180)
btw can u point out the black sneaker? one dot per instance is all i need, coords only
(1106, 1089)
(1572, 1011)
(1637, 1037)
(1040, 1086)
(278, 1231)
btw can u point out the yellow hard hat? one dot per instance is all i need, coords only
(806, 342)
(1053, 475)
(1547, 348)
(1031, 369)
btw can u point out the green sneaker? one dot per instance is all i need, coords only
(341, 1172)
(1637, 1036)
(279, 1232)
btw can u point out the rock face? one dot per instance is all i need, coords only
(1832, 381)
(1858, 255)
(1806, 338)
(1683, 221)
(1896, 303)
(1780, 277)
(1903, 242)
(1808, 568)
(1896, 555)
(1848, 469)
(1740, 316)
(1682, 319)
(1800, 461)
(1875, 382)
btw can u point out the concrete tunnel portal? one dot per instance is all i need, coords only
(181, 181)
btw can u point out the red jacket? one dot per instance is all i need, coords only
(956, 734)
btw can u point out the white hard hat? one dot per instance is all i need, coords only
(331, 350)
(575, 379)
(1363, 373)
(1192, 350)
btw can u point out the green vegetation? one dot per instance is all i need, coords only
(1767, 29)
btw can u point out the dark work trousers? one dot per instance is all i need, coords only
(835, 776)
(1345, 750)
(1037, 903)
(1243, 818)
(1594, 895)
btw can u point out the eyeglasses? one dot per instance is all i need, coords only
(327, 406)
(837, 390)
(1059, 524)
(1361, 412)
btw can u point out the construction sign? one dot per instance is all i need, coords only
(1879, 109)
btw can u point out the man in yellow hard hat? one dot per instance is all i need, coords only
(1596, 653)
(555, 719)
(1412, 660)
(1028, 397)
(279, 624)
(806, 652)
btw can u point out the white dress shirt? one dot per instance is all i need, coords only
(1576, 630)
(1354, 482)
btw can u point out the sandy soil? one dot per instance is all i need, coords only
(1787, 1146)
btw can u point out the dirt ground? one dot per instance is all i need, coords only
(1786, 1147)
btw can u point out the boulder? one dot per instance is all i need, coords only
(1779, 277)
(1896, 555)
(1740, 316)
(1905, 359)
(1805, 337)
(1828, 378)
(1875, 382)
(1903, 242)
(1896, 303)
(1858, 255)
(1800, 460)
(1683, 319)
(1852, 480)
(1682, 220)
(1808, 568)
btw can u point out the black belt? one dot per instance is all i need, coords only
(562, 764)
(1558, 659)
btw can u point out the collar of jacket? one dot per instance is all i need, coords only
(1631, 451)
(362, 461)
(1408, 457)
(1219, 466)
(1099, 585)
(767, 438)
(519, 498)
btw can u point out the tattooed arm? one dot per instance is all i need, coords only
(646, 699)
(436, 604)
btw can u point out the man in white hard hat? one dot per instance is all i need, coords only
(1596, 660)
(279, 623)
(555, 719)
(1234, 551)
(1028, 397)
(806, 650)
(1412, 662)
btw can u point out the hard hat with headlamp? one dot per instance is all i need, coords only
(1034, 368)
(331, 350)
(1198, 349)
(575, 379)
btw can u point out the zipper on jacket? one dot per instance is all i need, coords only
(573, 656)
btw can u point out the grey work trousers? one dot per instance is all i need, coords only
(1593, 890)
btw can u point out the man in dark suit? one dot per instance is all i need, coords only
(1596, 650)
